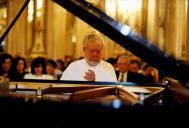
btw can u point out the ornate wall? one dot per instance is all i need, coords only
(16, 39)
(56, 39)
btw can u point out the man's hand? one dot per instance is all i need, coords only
(176, 86)
(90, 75)
(180, 93)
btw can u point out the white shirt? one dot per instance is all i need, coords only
(42, 77)
(76, 71)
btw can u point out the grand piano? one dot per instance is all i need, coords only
(107, 100)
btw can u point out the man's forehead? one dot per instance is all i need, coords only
(96, 43)
(123, 60)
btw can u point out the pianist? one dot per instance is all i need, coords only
(92, 67)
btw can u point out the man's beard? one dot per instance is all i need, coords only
(93, 63)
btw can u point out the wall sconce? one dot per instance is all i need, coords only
(4, 13)
(39, 7)
(30, 11)
(3, 19)
(74, 38)
(186, 4)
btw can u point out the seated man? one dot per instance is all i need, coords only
(92, 67)
(124, 74)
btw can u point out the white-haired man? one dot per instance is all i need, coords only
(92, 67)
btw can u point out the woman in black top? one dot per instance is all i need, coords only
(19, 69)
(5, 65)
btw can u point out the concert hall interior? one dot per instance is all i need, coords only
(47, 37)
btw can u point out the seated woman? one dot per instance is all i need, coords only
(50, 68)
(38, 70)
(5, 65)
(150, 73)
(134, 65)
(19, 69)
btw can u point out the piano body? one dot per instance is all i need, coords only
(76, 92)
(48, 103)
(66, 97)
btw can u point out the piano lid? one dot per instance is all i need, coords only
(124, 36)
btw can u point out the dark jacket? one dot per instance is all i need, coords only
(133, 77)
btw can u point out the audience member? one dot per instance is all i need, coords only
(5, 65)
(134, 65)
(150, 73)
(67, 61)
(50, 68)
(60, 65)
(19, 69)
(38, 70)
(113, 62)
(124, 75)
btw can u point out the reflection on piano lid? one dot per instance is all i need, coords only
(123, 35)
